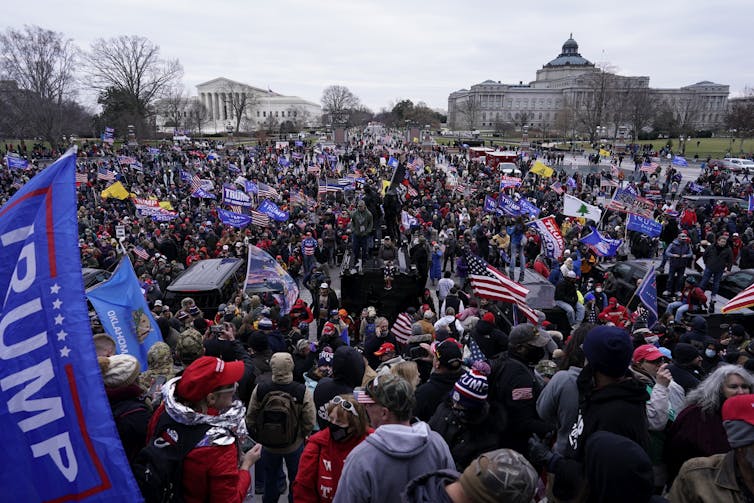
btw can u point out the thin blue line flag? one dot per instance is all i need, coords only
(57, 431)
(124, 312)
(647, 294)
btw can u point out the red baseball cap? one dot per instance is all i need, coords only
(489, 317)
(739, 408)
(385, 348)
(205, 375)
(647, 352)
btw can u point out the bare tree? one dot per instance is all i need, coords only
(41, 63)
(299, 116)
(240, 103)
(687, 113)
(338, 101)
(470, 109)
(173, 105)
(130, 66)
(594, 101)
(197, 115)
(565, 119)
(641, 106)
(522, 119)
(740, 118)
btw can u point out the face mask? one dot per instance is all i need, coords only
(710, 353)
(598, 290)
(534, 354)
(338, 433)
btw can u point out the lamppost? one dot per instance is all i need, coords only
(229, 129)
(682, 144)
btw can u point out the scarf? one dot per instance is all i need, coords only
(226, 427)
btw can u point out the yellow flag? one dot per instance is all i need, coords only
(385, 186)
(604, 153)
(166, 205)
(542, 169)
(116, 190)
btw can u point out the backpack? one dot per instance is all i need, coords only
(158, 468)
(277, 424)
(454, 330)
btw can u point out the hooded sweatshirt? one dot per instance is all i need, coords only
(347, 374)
(430, 488)
(379, 468)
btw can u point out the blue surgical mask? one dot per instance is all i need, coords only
(710, 353)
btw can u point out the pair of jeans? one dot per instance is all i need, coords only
(675, 279)
(517, 251)
(682, 308)
(271, 464)
(360, 249)
(569, 311)
(716, 277)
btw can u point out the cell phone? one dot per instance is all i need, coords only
(247, 444)
(155, 390)
(216, 329)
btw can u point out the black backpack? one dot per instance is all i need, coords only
(158, 468)
(277, 423)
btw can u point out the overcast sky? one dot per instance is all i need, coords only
(422, 50)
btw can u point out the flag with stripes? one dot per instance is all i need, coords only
(259, 218)
(81, 177)
(264, 190)
(105, 174)
(141, 252)
(557, 187)
(649, 167)
(410, 190)
(235, 208)
(489, 283)
(297, 198)
(196, 183)
(314, 170)
(402, 328)
(742, 300)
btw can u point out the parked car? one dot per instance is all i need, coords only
(620, 280)
(738, 165)
(696, 201)
(94, 276)
(209, 282)
(731, 285)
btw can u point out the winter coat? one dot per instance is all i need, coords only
(435, 271)
(707, 479)
(347, 374)
(684, 376)
(361, 222)
(433, 392)
(717, 259)
(430, 488)
(559, 404)
(681, 248)
(320, 467)
(131, 416)
(490, 339)
(467, 440)
(565, 291)
(380, 468)
(694, 434)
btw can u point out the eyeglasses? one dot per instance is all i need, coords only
(347, 406)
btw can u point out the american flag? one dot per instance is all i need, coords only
(614, 170)
(314, 170)
(650, 167)
(235, 208)
(740, 301)
(489, 283)
(557, 187)
(417, 163)
(81, 177)
(141, 252)
(105, 174)
(196, 183)
(410, 190)
(265, 190)
(297, 197)
(402, 328)
(259, 218)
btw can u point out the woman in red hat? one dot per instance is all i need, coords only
(204, 397)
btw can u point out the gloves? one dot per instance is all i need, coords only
(539, 453)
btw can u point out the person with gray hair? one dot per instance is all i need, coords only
(698, 430)
(397, 452)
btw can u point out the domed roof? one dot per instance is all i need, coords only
(570, 55)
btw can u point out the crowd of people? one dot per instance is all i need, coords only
(452, 399)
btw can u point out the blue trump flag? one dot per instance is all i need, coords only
(751, 203)
(647, 294)
(393, 162)
(271, 210)
(600, 245)
(679, 161)
(508, 206)
(124, 312)
(527, 208)
(203, 194)
(56, 428)
(16, 162)
(234, 219)
(643, 225)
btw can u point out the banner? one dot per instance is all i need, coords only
(628, 201)
(271, 210)
(58, 436)
(647, 294)
(234, 219)
(552, 239)
(16, 162)
(236, 197)
(541, 169)
(575, 207)
(695, 187)
(250, 187)
(527, 208)
(600, 245)
(508, 206)
(643, 225)
(408, 220)
(124, 312)
(264, 274)
(490, 205)
(509, 181)
(202, 194)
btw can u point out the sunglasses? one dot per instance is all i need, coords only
(345, 404)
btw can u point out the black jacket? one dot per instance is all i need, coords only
(491, 340)
(565, 290)
(685, 375)
(347, 373)
(467, 440)
(513, 388)
(716, 259)
(433, 392)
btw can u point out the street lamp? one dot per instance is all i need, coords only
(682, 145)
(229, 129)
